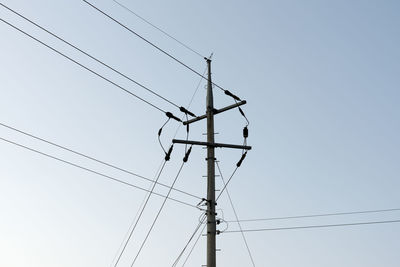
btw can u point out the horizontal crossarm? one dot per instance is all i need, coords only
(178, 141)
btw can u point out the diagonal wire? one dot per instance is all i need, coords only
(313, 226)
(158, 28)
(89, 55)
(194, 245)
(134, 220)
(158, 214)
(140, 214)
(236, 216)
(318, 215)
(93, 159)
(81, 65)
(90, 170)
(190, 240)
(150, 43)
(226, 184)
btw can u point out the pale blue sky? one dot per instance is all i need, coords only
(322, 83)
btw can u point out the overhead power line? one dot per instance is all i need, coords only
(190, 240)
(92, 171)
(156, 218)
(155, 46)
(236, 216)
(94, 159)
(312, 226)
(94, 58)
(158, 28)
(139, 216)
(83, 66)
(317, 215)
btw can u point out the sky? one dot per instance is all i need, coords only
(321, 80)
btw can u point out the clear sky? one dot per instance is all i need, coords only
(322, 83)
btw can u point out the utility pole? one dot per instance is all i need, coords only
(210, 112)
(211, 225)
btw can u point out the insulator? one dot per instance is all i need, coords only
(186, 157)
(159, 132)
(184, 110)
(232, 95)
(241, 159)
(245, 132)
(241, 112)
(168, 154)
(171, 116)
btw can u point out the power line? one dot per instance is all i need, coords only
(190, 240)
(313, 226)
(94, 159)
(94, 58)
(226, 184)
(83, 66)
(194, 245)
(158, 28)
(237, 217)
(134, 220)
(140, 215)
(317, 215)
(92, 171)
(156, 218)
(152, 44)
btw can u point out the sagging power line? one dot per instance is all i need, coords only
(168, 114)
(94, 159)
(316, 215)
(92, 171)
(311, 226)
(182, 109)
(227, 92)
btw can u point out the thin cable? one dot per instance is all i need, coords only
(87, 54)
(83, 66)
(223, 189)
(158, 28)
(236, 216)
(134, 220)
(140, 215)
(150, 43)
(318, 215)
(92, 171)
(188, 242)
(158, 214)
(93, 159)
(313, 226)
(194, 245)
(201, 221)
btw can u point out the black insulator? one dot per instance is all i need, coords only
(187, 127)
(241, 112)
(245, 132)
(186, 157)
(159, 132)
(232, 95)
(168, 154)
(171, 116)
(218, 221)
(184, 110)
(241, 160)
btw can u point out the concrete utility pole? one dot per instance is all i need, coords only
(211, 225)
(210, 112)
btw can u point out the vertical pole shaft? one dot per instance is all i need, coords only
(211, 223)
